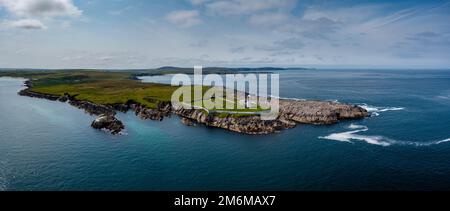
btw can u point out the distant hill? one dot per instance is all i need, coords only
(214, 70)
(170, 70)
(166, 68)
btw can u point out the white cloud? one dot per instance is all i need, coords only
(184, 18)
(26, 24)
(29, 14)
(235, 33)
(41, 8)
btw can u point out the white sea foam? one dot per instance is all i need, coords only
(121, 133)
(443, 97)
(350, 136)
(353, 126)
(390, 109)
(443, 141)
(376, 110)
(424, 144)
(375, 114)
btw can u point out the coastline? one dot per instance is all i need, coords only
(292, 113)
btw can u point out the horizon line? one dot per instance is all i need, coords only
(240, 67)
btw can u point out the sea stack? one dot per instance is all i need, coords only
(109, 123)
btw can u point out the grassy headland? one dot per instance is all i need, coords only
(106, 87)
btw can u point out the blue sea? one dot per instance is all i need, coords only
(404, 145)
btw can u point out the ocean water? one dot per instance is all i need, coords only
(405, 145)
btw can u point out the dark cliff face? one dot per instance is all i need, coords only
(292, 112)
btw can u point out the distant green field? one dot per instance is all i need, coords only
(108, 88)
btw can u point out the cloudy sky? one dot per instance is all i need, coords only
(146, 34)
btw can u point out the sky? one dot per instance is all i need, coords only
(118, 34)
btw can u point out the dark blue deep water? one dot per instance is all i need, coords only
(48, 145)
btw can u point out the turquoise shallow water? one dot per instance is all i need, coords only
(48, 145)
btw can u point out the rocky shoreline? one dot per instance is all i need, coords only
(292, 113)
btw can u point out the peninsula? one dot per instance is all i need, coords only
(103, 93)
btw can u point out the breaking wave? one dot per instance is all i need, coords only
(375, 110)
(350, 136)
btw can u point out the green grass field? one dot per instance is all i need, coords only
(108, 88)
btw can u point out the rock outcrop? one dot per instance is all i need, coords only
(92, 108)
(319, 112)
(109, 123)
(245, 124)
(162, 110)
(292, 112)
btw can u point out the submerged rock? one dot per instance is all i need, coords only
(109, 123)
(187, 122)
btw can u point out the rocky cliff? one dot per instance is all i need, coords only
(292, 112)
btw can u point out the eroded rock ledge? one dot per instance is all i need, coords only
(292, 112)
